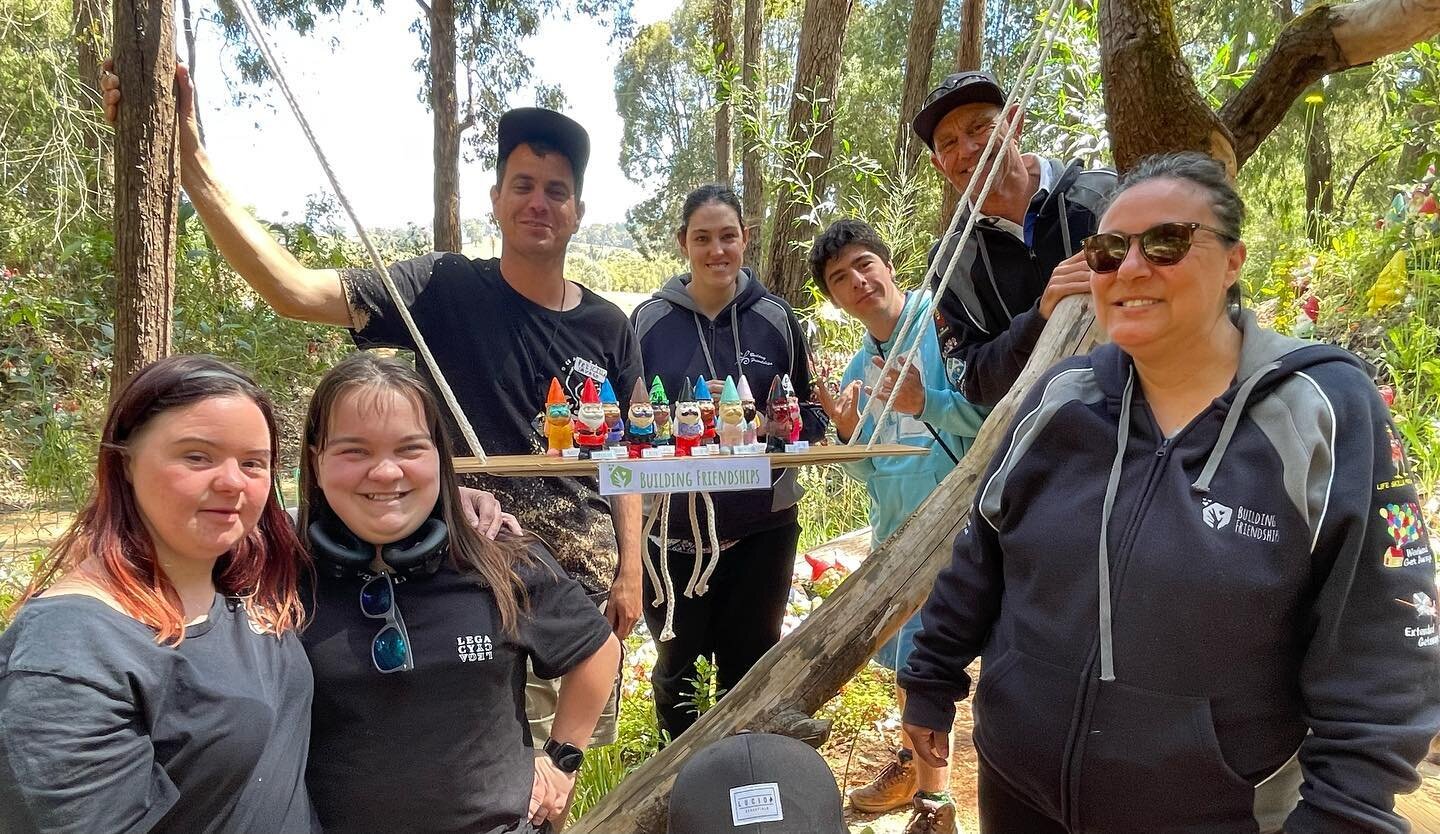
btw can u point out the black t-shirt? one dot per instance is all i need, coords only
(103, 730)
(499, 351)
(444, 747)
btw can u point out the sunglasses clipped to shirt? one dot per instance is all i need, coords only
(1165, 244)
(390, 650)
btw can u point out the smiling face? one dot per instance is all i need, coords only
(201, 476)
(1151, 310)
(960, 137)
(536, 206)
(862, 284)
(379, 468)
(591, 415)
(714, 242)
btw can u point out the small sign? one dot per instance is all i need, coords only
(715, 474)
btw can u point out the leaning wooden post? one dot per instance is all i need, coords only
(147, 184)
(807, 668)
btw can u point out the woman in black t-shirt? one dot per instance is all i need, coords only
(422, 627)
(159, 685)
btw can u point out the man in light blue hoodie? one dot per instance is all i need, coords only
(851, 266)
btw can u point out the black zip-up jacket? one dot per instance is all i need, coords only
(989, 317)
(757, 335)
(1266, 653)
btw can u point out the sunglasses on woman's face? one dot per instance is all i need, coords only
(390, 650)
(1163, 245)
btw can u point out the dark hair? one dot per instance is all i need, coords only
(540, 147)
(264, 566)
(831, 242)
(1204, 172)
(492, 562)
(705, 195)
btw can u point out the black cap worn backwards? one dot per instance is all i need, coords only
(756, 783)
(957, 89)
(527, 124)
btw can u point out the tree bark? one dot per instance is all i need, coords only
(147, 185)
(919, 58)
(812, 116)
(807, 668)
(722, 26)
(968, 55)
(1150, 97)
(1321, 41)
(754, 183)
(445, 113)
(89, 31)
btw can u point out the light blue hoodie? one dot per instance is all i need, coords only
(897, 485)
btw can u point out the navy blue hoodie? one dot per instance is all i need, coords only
(1225, 631)
(757, 335)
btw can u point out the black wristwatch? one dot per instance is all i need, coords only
(565, 755)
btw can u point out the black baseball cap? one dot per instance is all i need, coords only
(756, 783)
(526, 124)
(957, 89)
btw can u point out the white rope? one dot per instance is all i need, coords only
(649, 562)
(699, 549)
(252, 20)
(908, 341)
(667, 631)
(714, 545)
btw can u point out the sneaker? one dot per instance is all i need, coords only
(892, 788)
(933, 817)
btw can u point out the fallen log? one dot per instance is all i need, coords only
(806, 669)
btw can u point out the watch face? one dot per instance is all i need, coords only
(570, 761)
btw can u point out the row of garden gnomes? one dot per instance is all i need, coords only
(732, 421)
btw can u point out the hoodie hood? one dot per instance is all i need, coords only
(748, 290)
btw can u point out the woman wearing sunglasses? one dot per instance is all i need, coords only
(159, 684)
(422, 626)
(1196, 568)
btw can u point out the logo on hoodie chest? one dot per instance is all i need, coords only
(1254, 524)
(750, 357)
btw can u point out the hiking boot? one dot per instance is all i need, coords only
(890, 789)
(933, 817)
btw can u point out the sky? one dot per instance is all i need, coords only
(355, 81)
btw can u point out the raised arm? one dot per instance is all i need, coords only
(295, 291)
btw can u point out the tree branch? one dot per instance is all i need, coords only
(424, 7)
(1324, 40)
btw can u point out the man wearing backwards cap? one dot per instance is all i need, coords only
(1024, 253)
(500, 330)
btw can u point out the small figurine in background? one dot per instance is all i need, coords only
(559, 431)
(707, 408)
(615, 427)
(640, 433)
(752, 417)
(660, 404)
(732, 417)
(590, 428)
(794, 403)
(778, 420)
(689, 430)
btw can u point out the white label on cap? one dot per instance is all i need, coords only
(755, 803)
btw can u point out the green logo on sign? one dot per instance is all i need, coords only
(620, 476)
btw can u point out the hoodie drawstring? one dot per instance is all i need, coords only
(1227, 431)
(1122, 439)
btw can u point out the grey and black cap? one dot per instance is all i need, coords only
(526, 124)
(957, 89)
(756, 783)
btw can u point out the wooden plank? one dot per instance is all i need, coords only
(1421, 810)
(546, 466)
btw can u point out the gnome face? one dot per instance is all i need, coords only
(641, 416)
(707, 411)
(662, 414)
(732, 414)
(591, 415)
(687, 420)
(557, 414)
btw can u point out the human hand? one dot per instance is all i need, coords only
(550, 792)
(844, 412)
(717, 387)
(482, 512)
(624, 606)
(932, 746)
(911, 398)
(184, 102)
(1071, 277)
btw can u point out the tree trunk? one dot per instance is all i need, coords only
(751, 80)
(968, 55)
(1319, 173)
(147, 184)
(919, 58)
(812, 115)
(1150, 97)
(722, 26)
(445, 112)
(89, 30)
(807, 668)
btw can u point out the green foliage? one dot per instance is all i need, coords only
(703, 691)
(602, 772)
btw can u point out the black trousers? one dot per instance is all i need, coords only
(1002, 811)
(736, 621)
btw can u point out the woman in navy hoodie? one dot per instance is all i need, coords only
(718, 320)
(1196, 568)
